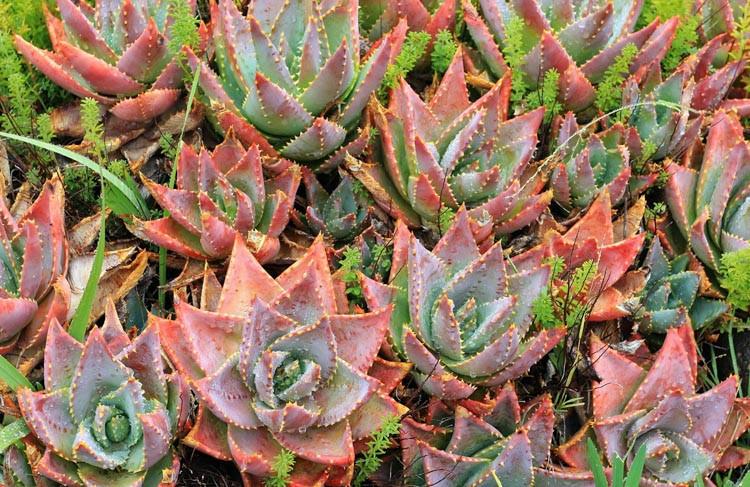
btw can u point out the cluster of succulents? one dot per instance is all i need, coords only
(364, 242)
(578, 41)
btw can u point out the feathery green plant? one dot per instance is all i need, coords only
(443, 51)
(372, 457)
(412, 51)
(685, 42)
(351, 264)
(565, 301)
(184, 30)
(609, 90)
(93, 129)
(282, 469)
(514, 52)
(546, 95)
(735, 269)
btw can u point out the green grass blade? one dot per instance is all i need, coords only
(636, 468)
(618, 472)
(80, 320)
(595, 464)
(12, 433)
(139, 207)
(11, 376)
(172, 181)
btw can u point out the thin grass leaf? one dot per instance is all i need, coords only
(636, 468)
(618, 472)
(595, 464)
(80, 320)
(137, 205)
(172, 181)
(11, 376)
(12, 433)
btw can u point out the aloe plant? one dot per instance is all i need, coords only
(672, 290)
(592, 239)
(291, 72)
(219, 195)
(489, 441)
(280, 364)
(108, 413)
(448, 151)
(709, 194)
(459, 316)
(653, 402)
(601, 160)
(340, 215)
(34, 260)
(114, 52)
(378, 17)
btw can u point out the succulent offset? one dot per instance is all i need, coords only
(672, 291)
(115, 52)
(291, 72)
(277, 363)
(709, 194)
(108, 413)
(579, 41)
(668, 113)
(340, 215)
(219, 195)
(450, 151)
(652, 402)
(459, 316)
(33, 262)
(603, 160)
(484, 442)
(662, 116)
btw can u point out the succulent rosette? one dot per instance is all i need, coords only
(579, 41)
(652, 403)
(661, 112)
(108, 413)
(291, 73)
(449, 152)
(484, 441)
(116, 52)
(709, 194)
(673, 290)
(278, 364)
(219, 195)
(33, 262)
(593, 238)
(340, 215)
(459, 316)
(601, 160)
